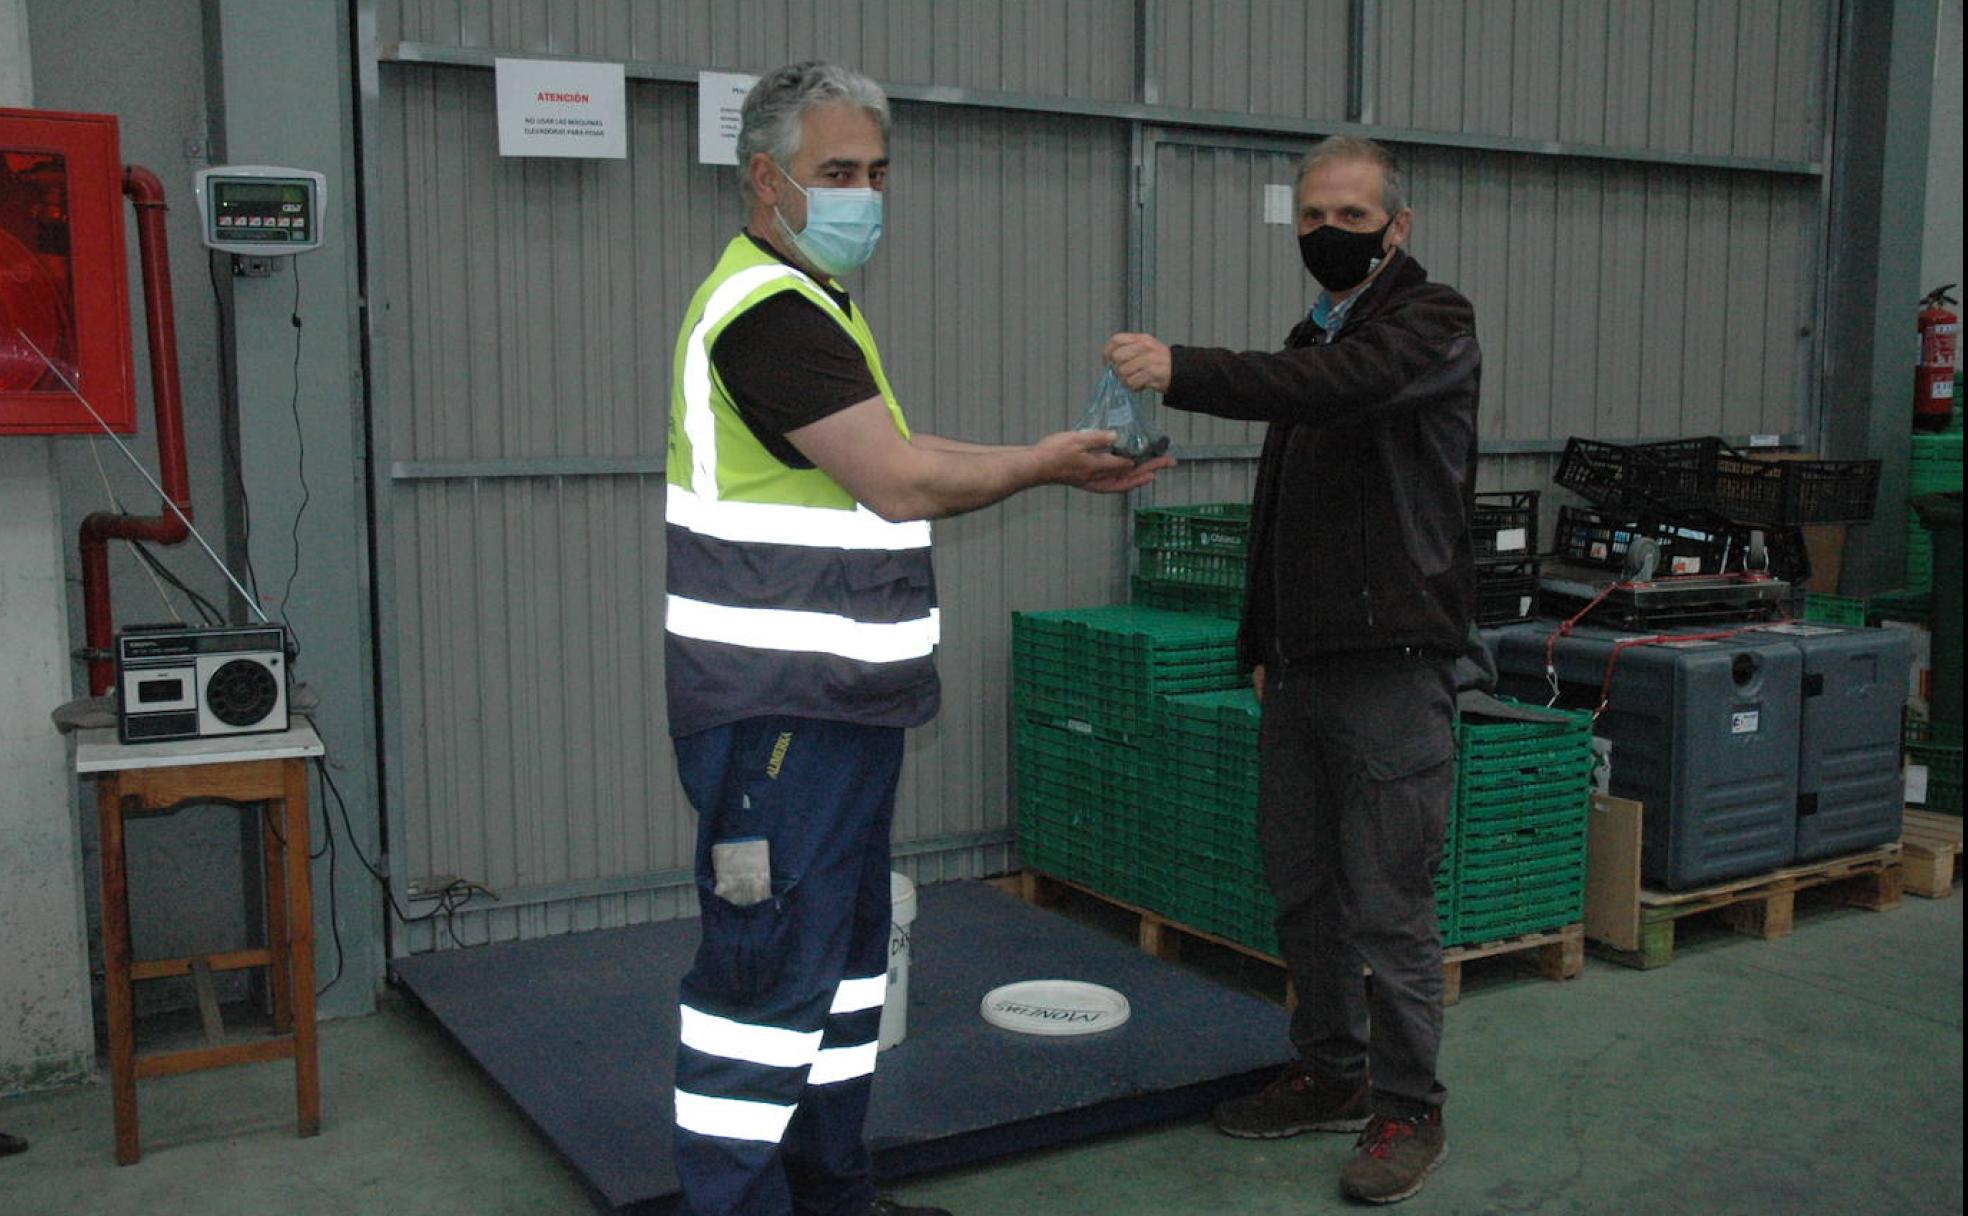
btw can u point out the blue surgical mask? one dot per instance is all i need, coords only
(842, 226)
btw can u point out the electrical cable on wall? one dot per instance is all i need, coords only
(450, 899)
(229, 435)
(300, 447)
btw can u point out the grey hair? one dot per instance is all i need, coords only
(770, 119)
(1393, 193)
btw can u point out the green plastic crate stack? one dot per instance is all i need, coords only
(1078, 807)
(1915, 606)
(1103, 671)
(1226, 603)
(1522, 795)
(1191, 559)
(1204, 817)
(1937, 746)
(1936, 469)
(1823, 608)
(1088, 687)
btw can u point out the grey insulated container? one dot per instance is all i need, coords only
(1703, 733)
(1850, 792)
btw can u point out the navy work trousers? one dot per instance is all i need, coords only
(781, 1011)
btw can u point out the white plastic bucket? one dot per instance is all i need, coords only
(895, 1005)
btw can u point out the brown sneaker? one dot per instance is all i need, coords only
(1300, 1100)
(1395, 1156)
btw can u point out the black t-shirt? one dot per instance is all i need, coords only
(787, 364)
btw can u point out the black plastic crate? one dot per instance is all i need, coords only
(1705, 473)
(1753, 489)
(1505, 524)
(1795, 491)
(1628, 478)
(1506, 591)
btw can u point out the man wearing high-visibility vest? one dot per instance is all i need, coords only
(801, 635)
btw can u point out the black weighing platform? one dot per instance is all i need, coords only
(580, 1030)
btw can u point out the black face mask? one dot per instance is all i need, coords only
(1339, 259)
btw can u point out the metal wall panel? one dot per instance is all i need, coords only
(1281, 57)
(529, 313)
(1063, 48)
(529, 310)
(1222, 276)
(1616, 300)
(1002, 273)
(1718, 77)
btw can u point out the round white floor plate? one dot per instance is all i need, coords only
(1055, 1007)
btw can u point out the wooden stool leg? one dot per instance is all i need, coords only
(300, 936)
(274, 869)
(117, 997)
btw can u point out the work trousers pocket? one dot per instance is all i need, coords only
(746, 949)
(1404, 791)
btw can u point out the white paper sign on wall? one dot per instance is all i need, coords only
(555, 107)
(720, 97)
(1277, 204)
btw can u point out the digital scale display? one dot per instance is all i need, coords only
(261, 210)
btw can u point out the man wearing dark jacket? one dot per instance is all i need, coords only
(1359, 597)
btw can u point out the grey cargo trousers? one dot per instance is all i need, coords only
(1356, 775)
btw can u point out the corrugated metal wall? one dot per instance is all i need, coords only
(1056, 48)
(1625, 300)
(1720, 77)
(1254, 56)
(521, 319)
(529, 309)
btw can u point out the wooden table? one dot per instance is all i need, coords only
(266, 773)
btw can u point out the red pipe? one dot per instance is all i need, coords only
(146, 194)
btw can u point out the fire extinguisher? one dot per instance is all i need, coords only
(1933, 380)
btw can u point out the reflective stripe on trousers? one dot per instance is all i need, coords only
(781, 1012)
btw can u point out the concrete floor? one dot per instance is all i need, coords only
(1819, 1074)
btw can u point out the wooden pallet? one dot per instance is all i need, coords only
(1560, 953)
(1930, 844)
(1157, 934)
(1763, 905)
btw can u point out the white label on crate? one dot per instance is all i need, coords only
(1745, 721)
(1943, 390)
(1512, 540)
(1598, 550)
(1916, 784)
(1079, 727)
(1523, 605)
(1602, 765)
(1687, 563)
(1765, 441)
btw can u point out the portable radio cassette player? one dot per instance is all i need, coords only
(184, 682)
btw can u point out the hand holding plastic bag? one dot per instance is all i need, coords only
(1114, 408)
